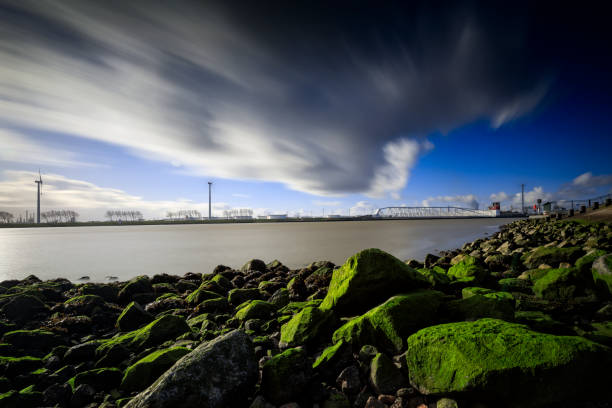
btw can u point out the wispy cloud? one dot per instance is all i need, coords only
(217, 91)
(240, 195)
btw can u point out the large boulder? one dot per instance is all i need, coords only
(385, 377)
(219, 373)
(602, 273)
(388, 325)
(199, 295)
(133, 317)
(33, 340)
(83, 305)
(306, 327)
(145, 371)
(481, 302)
(551, 256)
(367, 279)
(101, 379)
(285, 376)
(238, 296)
(494, 360)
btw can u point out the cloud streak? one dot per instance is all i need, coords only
(220, 92)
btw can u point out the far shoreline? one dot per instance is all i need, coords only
(234, 221)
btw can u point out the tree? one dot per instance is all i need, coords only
(6, 217)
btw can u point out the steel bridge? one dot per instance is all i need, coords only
(433, 212)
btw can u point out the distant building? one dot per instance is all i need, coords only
(334, 216)
(277, 216)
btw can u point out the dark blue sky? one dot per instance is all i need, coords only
(302, 106)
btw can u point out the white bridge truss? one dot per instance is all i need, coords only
(434, 212)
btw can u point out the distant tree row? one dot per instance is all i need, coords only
(238, 212)
(184, 214)
(57, 216)
(123, 215)
(6, 217)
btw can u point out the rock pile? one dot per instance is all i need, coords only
(520, 319)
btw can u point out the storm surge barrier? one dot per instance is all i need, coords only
(434, 212)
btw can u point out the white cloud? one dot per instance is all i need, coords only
(469, 199)
(200, 91)
(363, 208)
(531, 197)
(499, 197)
(18, 193)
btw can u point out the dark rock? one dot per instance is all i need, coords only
(140, 284)
(385, 377)
(83, 395)
(133, 317)
(285, 375)
(238, 296)
(348, 380)
(254, 265)
(101, 379)
(22, 308)
(57, 394)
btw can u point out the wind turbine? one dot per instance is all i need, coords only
(39, 183)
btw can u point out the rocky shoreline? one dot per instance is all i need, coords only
(520, 319)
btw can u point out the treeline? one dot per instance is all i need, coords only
(6, 217)
(124, 215)
(57, 216)
(184, 214)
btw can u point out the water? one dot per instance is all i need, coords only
(128, 251)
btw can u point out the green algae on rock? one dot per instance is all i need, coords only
(367, 279)
(145, 371)
(305, 327)
(551, 256)
(468, 267)
(385, 377)
(387, 325)
(255, 309)
(167, 327)
(496, 359)
(563, 283)
(133, 317)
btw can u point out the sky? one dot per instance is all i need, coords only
(300, 107)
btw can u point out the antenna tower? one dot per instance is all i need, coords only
(39, 183)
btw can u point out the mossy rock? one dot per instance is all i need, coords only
(145, 371)
(436, 276)
(26, 398)
(468, 267)
(601, 333)
(133, 317)
(515, 285)
(494, 360)
(280, 298)
(218, 284)
(367, 279)
(107, 292)
(84, 304)
(217, 305)
(533, 275)
(101, 379)
(199, 295)
(387, 326)
(165, 328)
(254, 265)
(14, 366)
(138, 285)
(542, 322)
(306, 327)
(481, 303)
(585, 262)
(551, 256)
(39, 340)
(560, 284)
(333, 359)
(285, 375)
(238, 296)
(602, 274)
(255, 309)
(296, 307)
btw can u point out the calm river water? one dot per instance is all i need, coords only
(128, 251)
